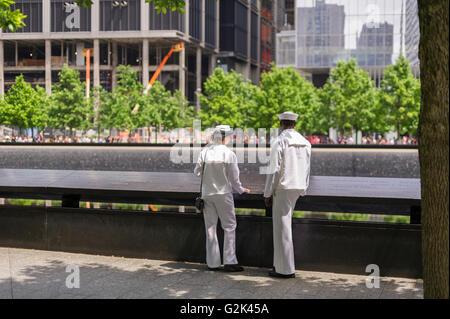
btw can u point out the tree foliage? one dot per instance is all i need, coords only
(285, 90)
(228, 99)
(400, 97)
(68, 106)
(348, 101)
(158, 108)
(351, 97)
(118, 105)
(164, 109)
(186, 114)
(10, 20)
(24, 106)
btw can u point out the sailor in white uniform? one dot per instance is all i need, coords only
(288, 179)
(220, 178)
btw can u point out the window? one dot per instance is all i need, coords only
(33, 10)
(210, 22)
(254, 36)
(241, 28)
(195, 19)
(169, 21)
(63, 17)
(120, 15)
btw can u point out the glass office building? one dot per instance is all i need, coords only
(373, 32)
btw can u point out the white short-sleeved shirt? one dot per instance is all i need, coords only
(221, 175)
(290, 156)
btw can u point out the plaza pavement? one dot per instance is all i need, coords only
(42, 274)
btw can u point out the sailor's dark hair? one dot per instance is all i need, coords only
(222, 134)
(288, 123)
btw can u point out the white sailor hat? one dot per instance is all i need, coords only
(290, 116)
(223, 129)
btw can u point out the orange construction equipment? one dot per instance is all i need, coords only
(175, 48)
(88, 71)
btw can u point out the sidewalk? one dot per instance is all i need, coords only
(42, 274)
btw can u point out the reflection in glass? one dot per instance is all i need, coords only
(374, 32)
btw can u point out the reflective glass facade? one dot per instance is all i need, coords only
(374, 32)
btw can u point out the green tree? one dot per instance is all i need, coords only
(10, 20)
(99, 116)
(23, 106)
(39, 119)
(401, 97)
(163, 109)
(227, 99)
(116, 112)
(351, 97)
(283, 89)
(114, 109)
(186, 115)
(157, 108)
(2, 110)
(323, 115)
(68, 106)
(124, 98)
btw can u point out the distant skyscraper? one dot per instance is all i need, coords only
(320, 36)
(373, 32)
(412, 34)
(375, 44)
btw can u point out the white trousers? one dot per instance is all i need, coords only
(220, 206)
(283, 248)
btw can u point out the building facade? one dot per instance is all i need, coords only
(412, 33)
(247, 35)
(130, 32)
(373, 32)
(58, 32)
(289, 6)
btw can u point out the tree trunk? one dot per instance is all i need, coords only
(433, 145)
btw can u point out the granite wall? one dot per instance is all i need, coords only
(388, 162)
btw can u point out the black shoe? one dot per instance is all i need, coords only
(233, 268)
(273, 273)
(214, 269)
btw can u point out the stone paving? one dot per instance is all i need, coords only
(42, 274)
